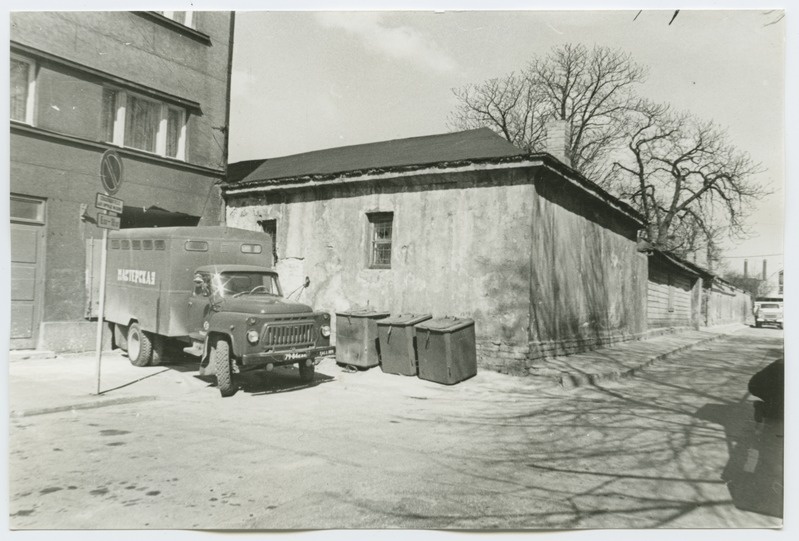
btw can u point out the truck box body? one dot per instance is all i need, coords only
(150, 269)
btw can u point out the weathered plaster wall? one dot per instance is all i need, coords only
(723, 305)
(460, 247)
(478, 244)
(588, 285)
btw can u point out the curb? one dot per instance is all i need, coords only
(82, 406)
(30, 355)
(571, 380)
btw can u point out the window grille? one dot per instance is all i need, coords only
(381, 229)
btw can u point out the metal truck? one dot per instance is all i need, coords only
(210, 291)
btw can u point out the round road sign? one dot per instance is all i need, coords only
(111, 171)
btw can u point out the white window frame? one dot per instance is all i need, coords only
(42, 204)
(120, 120)
(181, 151)
(189, 21)
(30, 101)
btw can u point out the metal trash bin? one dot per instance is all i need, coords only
(397, 339)
(356, 337)
(446, 350)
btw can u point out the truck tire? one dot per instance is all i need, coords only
(220, 357)
(306, 372)
(140, 347)
(758, 324)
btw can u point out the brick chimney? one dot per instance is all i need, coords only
(557, 142)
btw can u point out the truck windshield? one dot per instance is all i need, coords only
(770, 306)
(235, 284)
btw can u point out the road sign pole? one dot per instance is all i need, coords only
(101, 307)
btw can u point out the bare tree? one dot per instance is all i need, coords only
(752, 284)
(591, 89)
(508, 105)
(690, 183)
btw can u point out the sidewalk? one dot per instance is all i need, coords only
(40, 382)
(51, 383)
(625, 359)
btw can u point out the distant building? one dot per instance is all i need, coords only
(154, 86)
(460, 224)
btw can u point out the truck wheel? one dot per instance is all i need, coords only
(220, 357)
(758, 324)
(140, 347)
(306, 372)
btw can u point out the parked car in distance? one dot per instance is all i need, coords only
(768, 312)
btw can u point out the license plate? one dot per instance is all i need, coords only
(296, 356)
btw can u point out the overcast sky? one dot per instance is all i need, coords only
(305, 81)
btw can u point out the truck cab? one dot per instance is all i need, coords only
(211, 292)
(240, 320)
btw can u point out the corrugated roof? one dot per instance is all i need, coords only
(464, 145)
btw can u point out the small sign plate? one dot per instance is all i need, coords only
(106, 202)
(107, 221)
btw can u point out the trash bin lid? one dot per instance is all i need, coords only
(404, 320)
(364, 312)
(445, 324)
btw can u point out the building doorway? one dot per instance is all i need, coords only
(27, 270)
(270, 228)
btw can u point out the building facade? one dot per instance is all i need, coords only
(460, 224)
(154, 87)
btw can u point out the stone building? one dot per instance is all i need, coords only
(460, 224)
(154, 86)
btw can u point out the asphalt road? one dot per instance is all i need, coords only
(676, 446)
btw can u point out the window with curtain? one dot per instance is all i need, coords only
(142, 118)
(143, 123)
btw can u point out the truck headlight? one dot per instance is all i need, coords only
(252, 336)
(325, 330)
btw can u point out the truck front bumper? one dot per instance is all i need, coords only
(286, 357)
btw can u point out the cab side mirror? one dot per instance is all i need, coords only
(307, 282)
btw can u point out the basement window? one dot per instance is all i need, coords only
(380, 233)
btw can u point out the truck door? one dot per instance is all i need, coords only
(199, 301)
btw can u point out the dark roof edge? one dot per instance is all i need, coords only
(588, 184)
(547, 160)
(696, 270)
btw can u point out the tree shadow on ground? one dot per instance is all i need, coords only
(657, 450)
(754, 471)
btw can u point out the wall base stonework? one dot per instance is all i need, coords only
(502, 358)
(518, 360)
(71, 336)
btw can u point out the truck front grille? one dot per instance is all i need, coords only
(289, 334)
